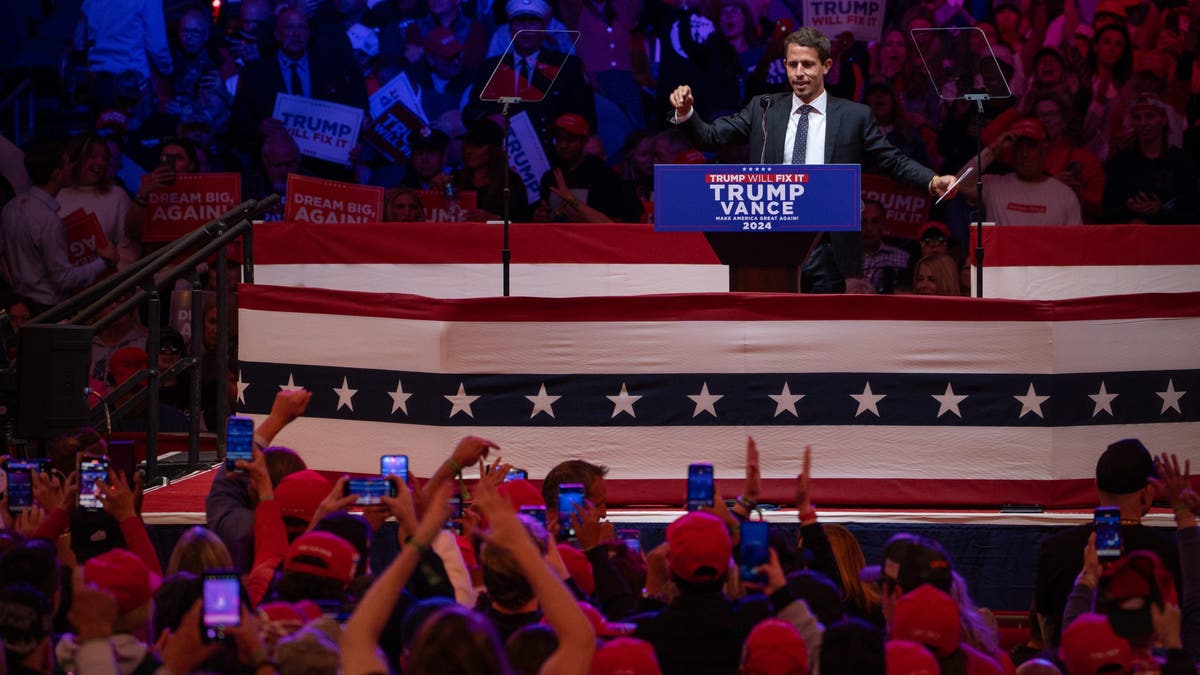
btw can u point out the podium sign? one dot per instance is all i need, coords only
(770, 198)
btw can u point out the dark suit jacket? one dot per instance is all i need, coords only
(329, 80)
(570, 92)
(851, 137)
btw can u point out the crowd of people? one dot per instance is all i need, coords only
(1100, 127)
(317, 583)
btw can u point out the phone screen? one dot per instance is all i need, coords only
(20, 481)
(700, 486)
(92, 470)
(538, 513)
(222, 605)
(370, 490)
(122, 459)
(239, 441)
(632, 539)
(753, 550)
(516, 474)
(1108, 532)
(570, 500)
(454, 522)
(394, 465)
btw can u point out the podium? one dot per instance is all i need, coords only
(761, 220)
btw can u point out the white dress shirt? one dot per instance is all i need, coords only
(815, 154)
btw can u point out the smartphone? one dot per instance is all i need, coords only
(570, 500)
(753, 550)
(394, 465)
(632, 539)
(538, 513)
(92, 470)
(18, 476)
(122, 460)
(454, 522)
(700, 486)
(516, 474)
(369, 490)
(239, 441)
(222, 605)
(1108, 532)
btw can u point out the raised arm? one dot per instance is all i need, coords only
(576, 638)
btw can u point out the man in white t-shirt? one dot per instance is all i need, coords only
(1027, 196)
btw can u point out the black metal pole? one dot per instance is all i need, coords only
(222, 374)
(505, 252)
(981, 209)
(197, 346)
(153, 340)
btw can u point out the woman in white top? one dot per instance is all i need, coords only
(94, 192)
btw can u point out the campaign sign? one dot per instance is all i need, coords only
(191, 201)
(85, 237)
(906, 209)
(395, 113)
(863, 18)
(317, 200)
(526, 156)
(771, 198)
(322, 129)
(439, 210)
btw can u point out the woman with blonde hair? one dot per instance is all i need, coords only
(199, 550)
(861, 599)
(936, 274)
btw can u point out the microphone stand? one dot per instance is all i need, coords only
(505, 251)
(981, 209)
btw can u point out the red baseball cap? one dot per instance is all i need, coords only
(299, 494)
(602, 626)
(124, 576)
(572, 124)
(579, 567)
(928, 616)
(774, 647)
(690, 156)
(322, 554)
(626, 656)
(443, 42)
(521, 493)
(126, 362)
(1089, 644)
(1028, 127)
(698, 547)
(909, 658)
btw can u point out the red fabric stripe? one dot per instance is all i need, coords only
(479, 243)
(714, 307)
(1075, 245)
(188, 496)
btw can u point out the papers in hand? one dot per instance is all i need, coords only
(954, 184)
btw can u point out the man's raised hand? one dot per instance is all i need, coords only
(681, 100)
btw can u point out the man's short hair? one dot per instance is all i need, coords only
(42, 158)
(809, 37)
(570, 471)
(281, 462)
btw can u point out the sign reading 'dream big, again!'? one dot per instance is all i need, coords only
(774, 198)
(317, 200)
(191, 201)
(322, 129)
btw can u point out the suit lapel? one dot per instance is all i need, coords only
(777, 121)
(832, 118)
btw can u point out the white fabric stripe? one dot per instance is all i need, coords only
(1057, 283)
(989, 453)
(721, 346)
(644, 347)
(549, 280)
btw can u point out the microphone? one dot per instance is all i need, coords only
(765, 102)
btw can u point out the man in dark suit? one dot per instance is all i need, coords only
(528, 70)
(808, 126)
(295, 69)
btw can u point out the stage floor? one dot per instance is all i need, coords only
(181, 502)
